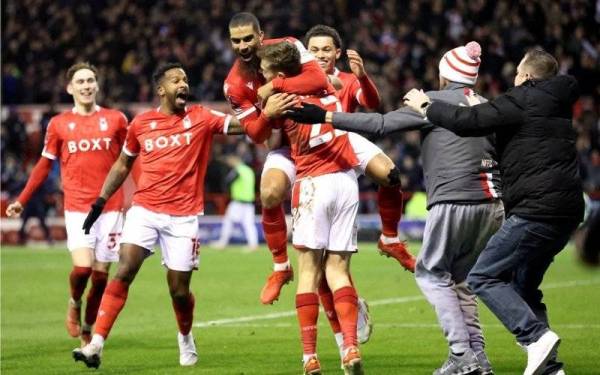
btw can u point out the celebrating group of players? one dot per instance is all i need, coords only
(317, 163)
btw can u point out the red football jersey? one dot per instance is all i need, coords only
(352, 95)
(240, 88)
(319, 149)
(87, 146)
(174, 152)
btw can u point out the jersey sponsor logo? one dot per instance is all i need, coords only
(103, 124)
(187, 123)
(175, 140)
(92, 144)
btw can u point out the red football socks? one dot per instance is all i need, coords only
(275, 229)
(99, 280)
(326, 297)
(346, 306)
(78, 280)
(184, 313)
(307, 309)
(111, 305)
(389, 199)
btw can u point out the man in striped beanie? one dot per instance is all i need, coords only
(461, 64)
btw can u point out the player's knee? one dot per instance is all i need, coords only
(180, 296)
(271, 196)
(393, 177)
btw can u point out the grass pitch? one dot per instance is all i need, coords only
(235, 334)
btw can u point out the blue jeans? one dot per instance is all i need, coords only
(510, 269)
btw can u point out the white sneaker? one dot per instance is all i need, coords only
(187, 349)
(539, 352)
(364, 326)
(89, 354)
(559, 372)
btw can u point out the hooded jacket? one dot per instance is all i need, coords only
(535, 141)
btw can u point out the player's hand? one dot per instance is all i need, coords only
(356, 63)
(14, 209)
(93, 215)
(417, 100)
(278, 103)
(264, 92)
(307, 114)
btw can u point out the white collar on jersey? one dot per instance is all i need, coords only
(336, 72)
(184, 108)
(96, 109)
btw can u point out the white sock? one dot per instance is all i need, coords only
(339, 340)
(388, 240)
(97, 340)
(306, 357)
(281, 266)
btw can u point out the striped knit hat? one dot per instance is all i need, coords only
(461, 64)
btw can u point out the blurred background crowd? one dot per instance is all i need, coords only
(400, 41)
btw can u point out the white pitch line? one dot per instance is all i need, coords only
(399, 325)
(387, 301)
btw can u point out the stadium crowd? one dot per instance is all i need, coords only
(401, 43)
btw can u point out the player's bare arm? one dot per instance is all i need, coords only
(335, 82)
(117, 175)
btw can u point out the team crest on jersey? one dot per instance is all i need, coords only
(153, 125)
(250, 85)
(187, 123)
(103, 124)
(71, 125)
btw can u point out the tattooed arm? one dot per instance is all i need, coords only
(117, 175)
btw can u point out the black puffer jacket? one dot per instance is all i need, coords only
(535, 142)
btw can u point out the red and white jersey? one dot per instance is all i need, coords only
(87, 146)
(319, 149)
(352, 95)
(174, 151)
(240, 87)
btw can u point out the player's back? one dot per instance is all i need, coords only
(318, 149)
(87, 146)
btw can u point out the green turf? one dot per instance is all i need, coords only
(405, 340)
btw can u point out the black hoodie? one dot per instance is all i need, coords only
(535, 141)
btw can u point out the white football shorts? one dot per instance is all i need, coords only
(177, 236)
(324, 212)
(364, 150)
(103, 238)
(281, 159)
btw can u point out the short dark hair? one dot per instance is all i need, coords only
(283, 57)
(244, 19)
(160, 71)
(543, 65)
(78, 66)
(324, 30)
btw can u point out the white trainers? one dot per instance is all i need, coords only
(364, 326)
(89, 354)
(539, 352)
(187, 349)
(559, 372)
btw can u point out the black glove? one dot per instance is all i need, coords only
(93, 214)
(307, 114)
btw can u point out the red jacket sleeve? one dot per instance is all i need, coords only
(311, 80)
(258, 130)
(369, 96)
(37, 178)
